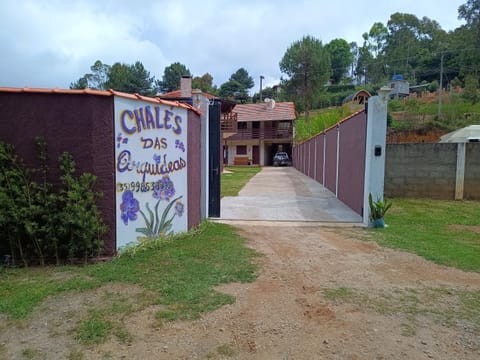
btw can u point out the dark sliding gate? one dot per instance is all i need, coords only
(214, 158)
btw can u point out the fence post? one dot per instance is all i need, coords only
(460, 173)
(337, 160)
(324, 157)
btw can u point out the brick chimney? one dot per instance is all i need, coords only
(186, 86)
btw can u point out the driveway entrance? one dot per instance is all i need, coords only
(285, 194)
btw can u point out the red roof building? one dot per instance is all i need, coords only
(262, 130)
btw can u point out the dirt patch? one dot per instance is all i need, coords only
(320, 294)
(472, 228)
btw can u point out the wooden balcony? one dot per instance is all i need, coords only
(228, 124)
(264, 134)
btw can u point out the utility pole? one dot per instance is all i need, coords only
(261, 78)
(440, 90)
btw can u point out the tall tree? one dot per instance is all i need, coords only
(341, 58)
(236, 88)
(403, 44)
(81, 83)
(233, 90)
(171, 77)
(371, 64)
(121, 77)
(306, 64)
(433, 43)
(204, 83)
(243, 78)
(131, 79)
(470, 12)
(355, 51)
(96, 79)
(376, 39)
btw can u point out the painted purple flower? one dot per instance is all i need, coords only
(157, 158)
(129, 207)
(179, 145)
(164, 189)
(179, 207)
(121, 140)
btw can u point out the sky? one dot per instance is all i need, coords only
(51, 43)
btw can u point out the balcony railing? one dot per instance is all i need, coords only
(228, 122)
(246, 134)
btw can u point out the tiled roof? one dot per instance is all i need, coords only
(178, 94)
(265, 112)
(109, 92)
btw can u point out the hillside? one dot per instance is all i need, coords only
(411, 119)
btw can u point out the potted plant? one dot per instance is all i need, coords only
(378, 209)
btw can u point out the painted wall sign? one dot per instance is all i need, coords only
(151, 170)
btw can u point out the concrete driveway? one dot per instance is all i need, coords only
(285, 194)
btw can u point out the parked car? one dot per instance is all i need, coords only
(281, 158)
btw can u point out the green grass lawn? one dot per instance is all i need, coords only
(235, 178)
(179, 273)
(445, 232)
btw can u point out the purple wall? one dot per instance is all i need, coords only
(194, 171)
(320, 144)
(80, 124)
(83, 125)
(351, 171)
(351, 133)
(331, 160)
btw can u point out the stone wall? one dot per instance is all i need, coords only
(430, 171)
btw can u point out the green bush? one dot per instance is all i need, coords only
(433, 86)
(471, 92)
(39, 225)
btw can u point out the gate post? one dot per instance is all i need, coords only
(202, 104)
(375, 147)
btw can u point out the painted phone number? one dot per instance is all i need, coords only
(137, 186)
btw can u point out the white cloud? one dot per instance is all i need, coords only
(51, 43)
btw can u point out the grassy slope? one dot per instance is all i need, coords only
(415, 110)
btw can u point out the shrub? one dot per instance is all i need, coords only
(39, 225)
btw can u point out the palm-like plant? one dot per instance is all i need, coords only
(378, 208)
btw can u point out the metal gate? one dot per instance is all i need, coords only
(349, 157)
(336, 159)
(214, 151)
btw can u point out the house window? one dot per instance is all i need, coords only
(284, 125)
(241, 149)
(241, 125)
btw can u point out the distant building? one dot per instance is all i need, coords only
(262, 130)
(399, 86)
